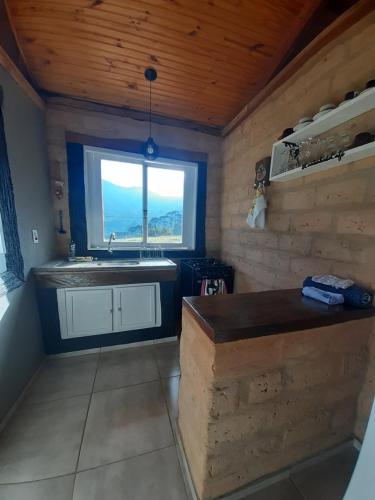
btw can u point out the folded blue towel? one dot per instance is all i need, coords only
(353, 295)
(326, 297)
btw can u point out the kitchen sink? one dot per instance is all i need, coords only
(99, 263)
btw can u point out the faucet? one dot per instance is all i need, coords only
(111, 238)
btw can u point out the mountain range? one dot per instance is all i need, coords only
(122, 208)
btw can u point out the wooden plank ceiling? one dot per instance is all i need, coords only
(212, 56)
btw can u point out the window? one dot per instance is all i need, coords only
(144, 203)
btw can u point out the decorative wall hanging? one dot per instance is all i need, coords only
(58, 189)
(13, 277)
(262, 172)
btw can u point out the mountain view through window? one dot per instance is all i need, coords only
(122, 199)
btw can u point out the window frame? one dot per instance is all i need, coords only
(92, 157)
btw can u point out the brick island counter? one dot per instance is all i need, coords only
(267, 379)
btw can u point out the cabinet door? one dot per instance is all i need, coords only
(88, 312)
(138, 306)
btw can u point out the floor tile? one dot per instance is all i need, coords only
(327, 480)
(170, 388)
(155, 476)
(58, 488)
(42, 440)
(123, 423)
(126, 367)
(62, 378)
(168, 359)
(283, 490)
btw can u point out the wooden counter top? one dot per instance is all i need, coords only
(225, 318)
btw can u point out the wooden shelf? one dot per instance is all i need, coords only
(349, 156)
(349, 110)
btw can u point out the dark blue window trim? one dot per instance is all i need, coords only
(78, 227)
(13, 277)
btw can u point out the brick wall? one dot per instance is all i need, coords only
(323, 223)
(62, 118)
(252, 407)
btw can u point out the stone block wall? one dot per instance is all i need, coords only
(62, 118)
(251, 407)
(366, 398)
(322, 223)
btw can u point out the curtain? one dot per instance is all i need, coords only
(14, 275)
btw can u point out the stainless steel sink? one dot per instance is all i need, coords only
(99, 263)
(118, 263)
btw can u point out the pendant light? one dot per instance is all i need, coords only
(150, 149)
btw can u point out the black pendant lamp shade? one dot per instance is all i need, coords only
(150, 149)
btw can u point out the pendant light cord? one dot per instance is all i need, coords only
(150, 110)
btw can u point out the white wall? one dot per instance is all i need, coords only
(21, 348)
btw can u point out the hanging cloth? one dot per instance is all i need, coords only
(257, 212)
(213, 287)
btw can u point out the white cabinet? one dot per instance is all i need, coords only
(137, 305)
(89, 312)
(108, 309)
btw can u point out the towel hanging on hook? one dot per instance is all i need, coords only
(257, 214)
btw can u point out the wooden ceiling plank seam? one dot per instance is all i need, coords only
(168, 13)
(170, 22)
(225, 7)
(346, 20)
(284, 45)
(20, 50)
(205, 64)
(236, 25)
(58, 101)
(162, 83)
(193, 50)
(208, 41)
(219, 105)
(170, 56)
(105, 97)
(135, 69)
(127, 99)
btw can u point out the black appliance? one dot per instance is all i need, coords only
(194, 271)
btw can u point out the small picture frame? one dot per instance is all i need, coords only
(262, 172)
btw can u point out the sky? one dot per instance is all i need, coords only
(160, 180)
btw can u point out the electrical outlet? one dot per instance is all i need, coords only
(35, 236)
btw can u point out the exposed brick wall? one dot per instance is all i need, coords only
(252, 407)
(64, 118)
(322, 223)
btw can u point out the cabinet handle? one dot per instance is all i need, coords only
(111, 310)
(119, 309)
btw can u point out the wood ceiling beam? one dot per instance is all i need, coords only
(359, 10)
(56, 101)
(9, 66)
(11, 57)
(214, 55)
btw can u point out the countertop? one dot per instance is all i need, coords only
(104, 265)
(65, 274)
(225, 318)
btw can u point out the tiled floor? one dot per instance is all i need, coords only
(326, 480)
(101, 427)
(96, 427)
